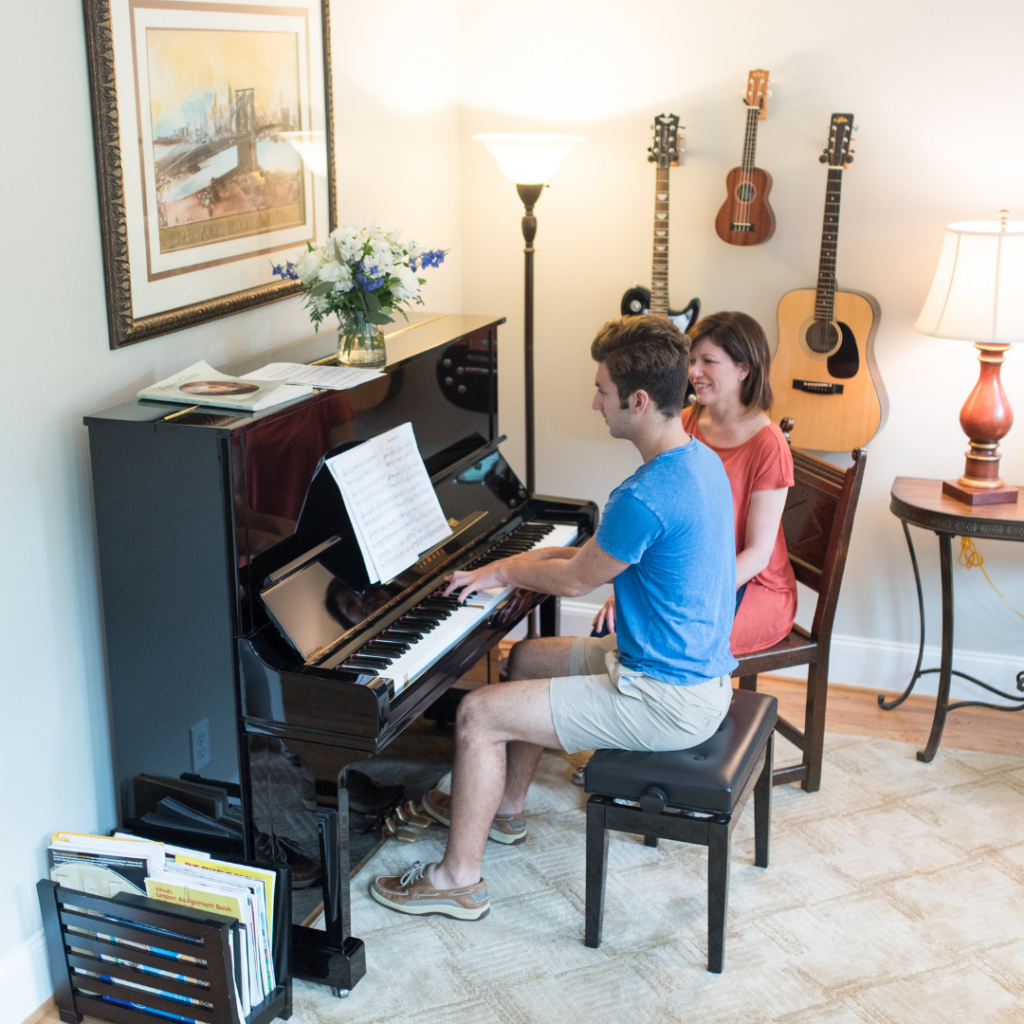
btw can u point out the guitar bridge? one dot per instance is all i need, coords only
(741, 227)
(818, 387)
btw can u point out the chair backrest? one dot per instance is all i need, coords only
(817, 523)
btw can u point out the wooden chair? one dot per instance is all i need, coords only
(817, 523)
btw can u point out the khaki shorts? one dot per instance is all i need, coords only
(602, 705)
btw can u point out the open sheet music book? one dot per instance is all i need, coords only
(391, 502)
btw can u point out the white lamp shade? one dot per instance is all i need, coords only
(529, 159)
(978, 291)
(312, 147)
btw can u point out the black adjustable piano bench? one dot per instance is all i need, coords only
(691, 796)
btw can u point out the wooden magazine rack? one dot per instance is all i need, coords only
(149, 922)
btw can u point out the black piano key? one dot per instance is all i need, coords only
(405, 632)
(364, 661)
(385, 650)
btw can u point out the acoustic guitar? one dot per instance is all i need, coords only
(664, 153)
(745, 217)
(824, 374)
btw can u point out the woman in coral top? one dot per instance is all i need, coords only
(729, 370)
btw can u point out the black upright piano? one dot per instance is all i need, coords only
(236, 605)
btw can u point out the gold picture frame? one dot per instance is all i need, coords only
(202, 187)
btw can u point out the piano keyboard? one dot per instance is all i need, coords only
(411, 644)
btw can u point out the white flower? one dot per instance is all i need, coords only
(334, 271)
(308, 267)
(409, 284)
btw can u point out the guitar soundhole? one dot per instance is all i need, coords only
(822, 336)
(745, 192)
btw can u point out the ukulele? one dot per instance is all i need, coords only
(664, 152)
(824, 374)
(745, 217)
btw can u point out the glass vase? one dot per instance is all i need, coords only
(360, 343)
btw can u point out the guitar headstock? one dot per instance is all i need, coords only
(840, 138)
(757, 92)
(665, 149)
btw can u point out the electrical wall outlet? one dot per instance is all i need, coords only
(200, 744)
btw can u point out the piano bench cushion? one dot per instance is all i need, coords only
(708, 777)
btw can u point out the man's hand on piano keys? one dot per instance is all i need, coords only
(469, 582)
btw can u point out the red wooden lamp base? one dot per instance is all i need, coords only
(986, 419)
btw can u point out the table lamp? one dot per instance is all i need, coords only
(978, 295)
(530, 161)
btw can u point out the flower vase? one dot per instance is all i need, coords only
(360, 343)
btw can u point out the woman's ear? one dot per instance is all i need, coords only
(744, 370)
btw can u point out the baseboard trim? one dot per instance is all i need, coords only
(48, 1009)
(25, 981)
(868, 662)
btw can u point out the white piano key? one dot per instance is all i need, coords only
(463, 620)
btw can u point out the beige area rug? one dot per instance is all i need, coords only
(893, 895)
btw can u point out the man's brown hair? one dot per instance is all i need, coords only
(645, 353)
(741, 338)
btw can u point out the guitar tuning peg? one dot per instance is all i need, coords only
(823, 159)
(856, 127)
(651, 126)
(849, 159)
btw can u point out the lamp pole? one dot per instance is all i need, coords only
(529, 194)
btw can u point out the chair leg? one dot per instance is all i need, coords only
(763, 806)
(748, 683)
(597, 869)
(718, 893)
(651, 841)
(814, 723)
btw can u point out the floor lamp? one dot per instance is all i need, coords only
(530, 161)
(978, 295)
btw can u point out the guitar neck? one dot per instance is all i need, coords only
(750, 140)
(659, 258)
(824, 296)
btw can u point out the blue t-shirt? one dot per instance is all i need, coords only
(672, 520)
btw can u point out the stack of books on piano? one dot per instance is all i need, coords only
(105, 866)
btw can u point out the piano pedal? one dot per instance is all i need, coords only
(406, 823)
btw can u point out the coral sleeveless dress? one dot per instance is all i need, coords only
(763, 463)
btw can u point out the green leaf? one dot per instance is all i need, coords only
(372, 302)
(378, 318)
(309, 246)
(387, 310)
(322, 288)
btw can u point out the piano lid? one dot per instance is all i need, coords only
(323, 594)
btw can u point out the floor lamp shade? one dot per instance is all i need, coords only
(978, 295)
(530, 160)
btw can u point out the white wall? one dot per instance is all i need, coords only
(933, 92)
(398, 161)
(931, 89)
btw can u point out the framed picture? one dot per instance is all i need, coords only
(214, 153)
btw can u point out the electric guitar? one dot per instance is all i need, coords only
(745, 217)
(664, 152)
(824, 374)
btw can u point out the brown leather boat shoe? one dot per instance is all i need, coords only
(415, 893)
(505, 828)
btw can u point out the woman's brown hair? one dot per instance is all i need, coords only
(741, 338)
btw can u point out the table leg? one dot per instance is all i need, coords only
(889, 705)
(946, 662)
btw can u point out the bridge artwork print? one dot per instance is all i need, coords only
(219, 102)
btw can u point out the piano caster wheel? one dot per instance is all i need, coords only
(340, 993)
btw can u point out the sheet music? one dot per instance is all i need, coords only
(337, 378)
(391, 502)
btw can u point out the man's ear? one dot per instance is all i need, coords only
(639, 401)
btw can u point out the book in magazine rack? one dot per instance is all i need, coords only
(181, 930)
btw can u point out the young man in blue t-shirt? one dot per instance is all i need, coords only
(662, 683)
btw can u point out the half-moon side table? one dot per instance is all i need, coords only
(918, 502)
